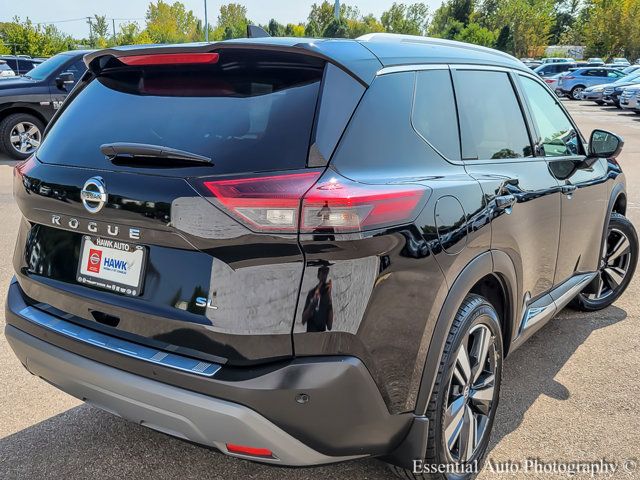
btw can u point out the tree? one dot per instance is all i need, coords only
(25, 38)
(171, 23)
(337, 28)
(275, 29)
(364, 25)
(99, 30)
(232, 22)
(478, 35)
(292, 30)
(411, 20)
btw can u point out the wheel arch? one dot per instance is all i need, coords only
(5, 112)
(491, 274)
(618, 204)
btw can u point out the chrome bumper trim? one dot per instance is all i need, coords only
(152, 355)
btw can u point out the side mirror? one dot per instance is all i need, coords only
(603, 144)
(65, 78)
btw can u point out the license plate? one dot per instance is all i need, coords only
(112, 265)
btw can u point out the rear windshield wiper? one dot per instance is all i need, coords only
(145, 150)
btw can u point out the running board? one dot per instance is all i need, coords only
(543, 309)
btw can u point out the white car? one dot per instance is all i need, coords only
(629, 97)
(552, 81)
(5, 70)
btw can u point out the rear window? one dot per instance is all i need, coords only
(252, 111)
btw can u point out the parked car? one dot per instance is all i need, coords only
(20, 65)
(27, 103)
(621, 61)
(594, 93)
(286, 248)
(550, 69)
(5, 70)
(629, 98)
(611, 93)
(557, 60)
(552, 81)
(533, 64)
(572, 83)
(629, 69)
(595, 60)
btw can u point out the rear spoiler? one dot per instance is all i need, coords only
(349, 55)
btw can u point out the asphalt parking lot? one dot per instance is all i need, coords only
(572, 393)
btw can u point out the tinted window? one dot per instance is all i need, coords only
(47, 67)
(434, 112)
(492, 124)
(256, 115)
(340, 95)
(559, 138)
(379, 143)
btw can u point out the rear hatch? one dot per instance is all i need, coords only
(174, 250)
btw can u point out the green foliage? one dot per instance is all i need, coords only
(412, 19)
(171, 23)
(337, 28)
(232, 22)
(25, 38)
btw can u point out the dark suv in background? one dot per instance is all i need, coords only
(21, 65)
(304, 251)
(28, 102)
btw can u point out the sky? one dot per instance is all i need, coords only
(67, 12)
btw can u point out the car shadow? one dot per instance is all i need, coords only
(530, 371)
(85, 442)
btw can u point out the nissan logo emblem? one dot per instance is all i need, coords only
(94, 194)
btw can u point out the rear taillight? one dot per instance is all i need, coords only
(307, 203)
(266, 204)
(568, 77)
(170, 59)
(337, 204)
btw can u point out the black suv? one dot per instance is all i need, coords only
(28, 102)
(21, 65)
(307, 251)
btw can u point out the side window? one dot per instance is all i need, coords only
(434, 112)
(340, 96)
(491, 121)
(77, 68)
(559, 138)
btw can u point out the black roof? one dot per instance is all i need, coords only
(363, 56)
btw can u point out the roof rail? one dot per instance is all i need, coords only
(399, 37)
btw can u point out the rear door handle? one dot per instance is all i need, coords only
(505, 203)
(568, 190)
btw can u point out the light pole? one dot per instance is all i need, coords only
(206, 23)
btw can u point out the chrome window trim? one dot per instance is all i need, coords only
(133, 350)
(412, 68)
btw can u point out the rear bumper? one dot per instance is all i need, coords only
(344, 418)
(189, 415)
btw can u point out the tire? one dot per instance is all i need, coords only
(575, 92)
(475, 319)
(611, 282)
(14, 126)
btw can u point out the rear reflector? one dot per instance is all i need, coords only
(170, 59)
(331, 204)
(252, 451)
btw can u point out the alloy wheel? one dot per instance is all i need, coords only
(25, 137)
(576, 93)
(614, 265)
(470, 394)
